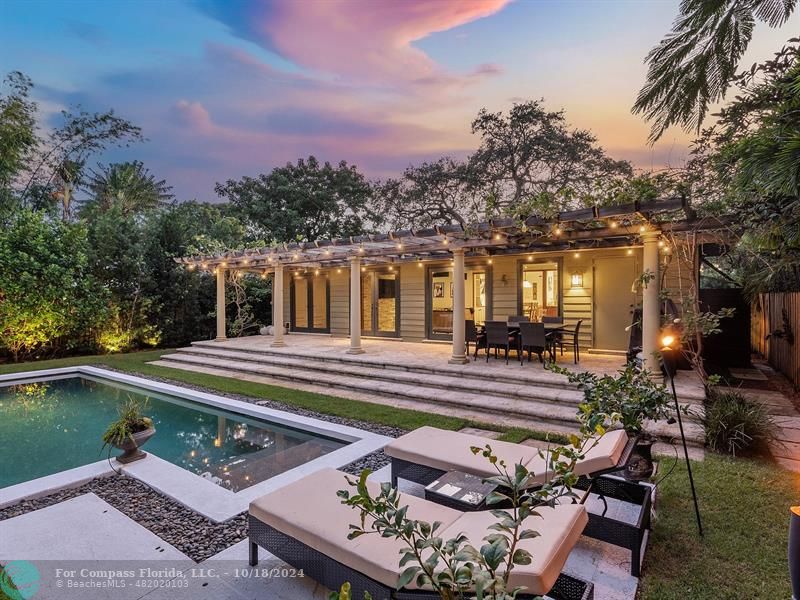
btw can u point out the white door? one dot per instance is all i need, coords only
(614, 301)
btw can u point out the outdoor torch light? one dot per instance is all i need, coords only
(794, 551)
(670, 345)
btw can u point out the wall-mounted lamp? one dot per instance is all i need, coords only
(577, 280)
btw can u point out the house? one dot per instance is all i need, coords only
(594, 265)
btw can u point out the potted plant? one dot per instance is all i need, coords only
(632, 394)
(129, 432)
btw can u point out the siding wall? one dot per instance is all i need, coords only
(577, 302)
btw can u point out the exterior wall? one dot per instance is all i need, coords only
(412, 302)
(576, 303)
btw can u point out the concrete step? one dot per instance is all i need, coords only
(533, 409)
(503, 411)
(526, 391)
(531, 374)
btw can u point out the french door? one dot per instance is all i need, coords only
(310, 303)
(380, 304)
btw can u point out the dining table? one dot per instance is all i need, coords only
(550, 329)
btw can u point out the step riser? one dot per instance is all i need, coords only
(539, 416)
(385, 375)
(497, 376)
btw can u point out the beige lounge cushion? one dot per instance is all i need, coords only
(450, 451)
(559, 529)
(310, 511)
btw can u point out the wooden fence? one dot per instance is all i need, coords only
(774, 326)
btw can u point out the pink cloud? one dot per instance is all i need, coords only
(365, 40)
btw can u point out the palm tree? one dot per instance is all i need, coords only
(692, 67)
(129, 186)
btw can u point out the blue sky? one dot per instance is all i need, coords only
(224, 89)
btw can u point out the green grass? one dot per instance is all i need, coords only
(136, 362)
(745, 510)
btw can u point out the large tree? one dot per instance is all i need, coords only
(529, 160)
(694, 65)
(305, 201)
(430, 194)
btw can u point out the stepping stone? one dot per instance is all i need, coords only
(668, 450)
(492, 435)
(752, 374)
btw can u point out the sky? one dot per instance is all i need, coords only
(227, 88)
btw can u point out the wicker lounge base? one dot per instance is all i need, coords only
(601, 527)
(332, 574)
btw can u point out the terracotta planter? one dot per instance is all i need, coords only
(640, 466)
(130, 446)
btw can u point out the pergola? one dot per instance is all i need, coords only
(594, 227)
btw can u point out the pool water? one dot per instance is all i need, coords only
(52, 425)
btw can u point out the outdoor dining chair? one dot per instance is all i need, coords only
(559, 341)
(471, 335)
(497, 337)
(532, 337)
(556, 337)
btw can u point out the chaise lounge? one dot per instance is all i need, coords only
(427, 453)
(306, 525)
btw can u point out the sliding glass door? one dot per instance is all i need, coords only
(439, 299)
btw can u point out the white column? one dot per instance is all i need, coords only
(220, 304)
(277, 307)
(355, 306)
(651, 313)
(459, 352)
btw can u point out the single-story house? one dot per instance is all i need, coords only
(417, 285)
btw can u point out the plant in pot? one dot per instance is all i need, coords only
(129, 432)
(632, 394)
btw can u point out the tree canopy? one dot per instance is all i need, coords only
(304, 201)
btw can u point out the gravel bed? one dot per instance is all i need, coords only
(386, 430)
(193, 534)
(372, 461)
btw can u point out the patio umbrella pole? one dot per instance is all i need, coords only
(669, 364)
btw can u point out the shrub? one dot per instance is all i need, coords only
(736, 425)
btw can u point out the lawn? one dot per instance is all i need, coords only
(745, 510)
(745, 503)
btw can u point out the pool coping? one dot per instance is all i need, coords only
(193, 491)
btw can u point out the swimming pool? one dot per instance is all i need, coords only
(50, 425)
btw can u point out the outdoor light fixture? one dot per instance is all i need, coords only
(399, 246)
(577, 280)
(630, 251)
(670, 346)
(419, 263)
(361, 249)
(445, 241)
(530, 257)
(613, 224)
(488, 262)
(363, 269)
(245, 261)
(223, 264)
(497, 236)
(204, 265)
(191, 267)
(263, 275)
(642, 229)
(577, 255)
(316, 272)
(338, 270)
(558, 230)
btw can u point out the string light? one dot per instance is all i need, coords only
(530, 257)
(488, 262)
(577, 255)
(613, 224)
(445, 241)
(558, 230)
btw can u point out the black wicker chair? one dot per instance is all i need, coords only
(497, 337)
(472, 336)
(532, 337)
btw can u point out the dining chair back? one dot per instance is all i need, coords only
(556, 319)
(497, 337)
(533, 338)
